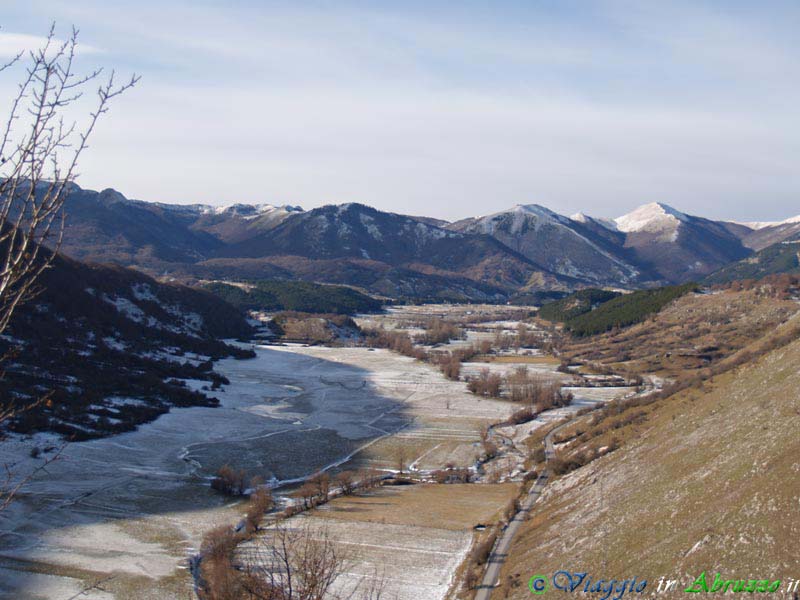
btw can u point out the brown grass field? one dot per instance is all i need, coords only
(456, 507)
(690, 333)
(705, 481)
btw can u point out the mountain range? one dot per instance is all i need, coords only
(525, 248)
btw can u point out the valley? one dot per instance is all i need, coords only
(443, 408)
(141, 499)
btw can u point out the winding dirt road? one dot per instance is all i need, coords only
(498, 556)
(500, 552)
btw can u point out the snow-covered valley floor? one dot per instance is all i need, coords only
(126, 511)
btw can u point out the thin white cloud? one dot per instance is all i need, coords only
(12, 44)
(444, 153)
(594, 106)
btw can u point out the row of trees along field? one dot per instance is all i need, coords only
(279, 561)
(449, 361)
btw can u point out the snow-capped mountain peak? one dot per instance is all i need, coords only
(655, 217)
(247, 210)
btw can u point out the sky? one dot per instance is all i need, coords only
(446, 109)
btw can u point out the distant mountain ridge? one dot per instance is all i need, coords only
(355, 232)
(767, 234)
(352, 244)
(525, 248)
(585, 250)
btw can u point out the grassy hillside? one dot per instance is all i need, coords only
(705, 480)
(625, 310)
(575, 304)
(691, 333)
(300, 296)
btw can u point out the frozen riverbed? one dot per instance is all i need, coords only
(128, 510)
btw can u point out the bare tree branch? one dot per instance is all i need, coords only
(39, 152)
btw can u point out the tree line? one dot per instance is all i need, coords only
(299, 296)
(624, 310)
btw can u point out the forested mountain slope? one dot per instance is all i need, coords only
(108, 348)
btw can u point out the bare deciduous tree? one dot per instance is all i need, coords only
(299, 563)
(400, 456)
(322, 482)
(308, 494)
(346, 481)
(40, 145)
(39, 151)
(261, 502)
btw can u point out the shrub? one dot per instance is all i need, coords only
(438, 331)
(229, 481)
(523, 416)
(261, 502)
(452, 475)
(397, 341)
(450, 366)
(485, 384)
(482, 550)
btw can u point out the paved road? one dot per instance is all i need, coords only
(498, 556)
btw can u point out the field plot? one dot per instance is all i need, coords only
(415, 536)
(441, 421)
(545, 369)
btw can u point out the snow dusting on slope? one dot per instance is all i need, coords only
(369, 222)
(581, 217)
(142, 291)
(765, 224)
(532, 216)
(126, 307)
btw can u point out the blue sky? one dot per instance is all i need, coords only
(447, 109)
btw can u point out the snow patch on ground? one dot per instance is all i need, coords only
(369, 223)
(114, 344)
(126, 307)
(142, 291)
